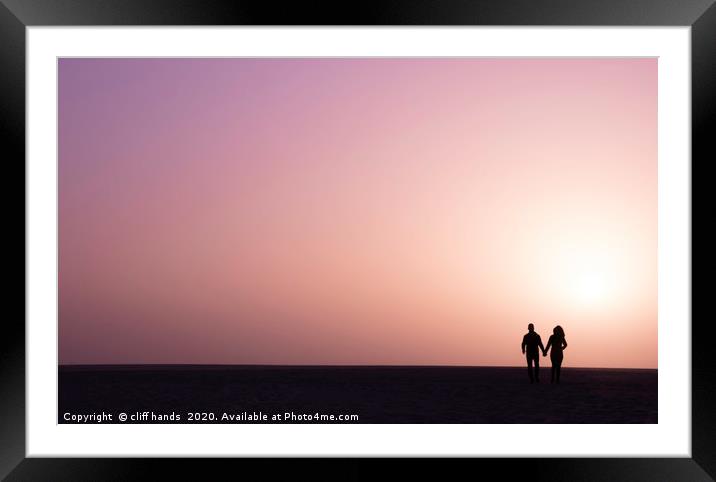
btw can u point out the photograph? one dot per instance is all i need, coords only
(357, 240)
(321, 241)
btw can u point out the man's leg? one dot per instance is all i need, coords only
(529, 368)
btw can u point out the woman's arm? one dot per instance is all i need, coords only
(549, 344)
(564, 343)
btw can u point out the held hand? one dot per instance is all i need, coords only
(544, 353)
(523, 351)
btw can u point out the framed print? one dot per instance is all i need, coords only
(417, 230)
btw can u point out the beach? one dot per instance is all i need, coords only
(353, 394)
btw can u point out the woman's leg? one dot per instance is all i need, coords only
(559, 367)
(556, 365)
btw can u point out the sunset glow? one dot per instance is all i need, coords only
(357, 211)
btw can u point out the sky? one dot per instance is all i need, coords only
(331, 211)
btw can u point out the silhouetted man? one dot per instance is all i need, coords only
(532, 343)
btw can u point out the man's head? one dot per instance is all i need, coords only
(530, 327)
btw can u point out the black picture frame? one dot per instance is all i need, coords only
(16, 15)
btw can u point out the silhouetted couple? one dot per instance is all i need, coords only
(531, 345)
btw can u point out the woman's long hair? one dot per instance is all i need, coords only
(558, 331)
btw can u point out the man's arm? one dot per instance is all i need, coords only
(544, 350)
(524, 342)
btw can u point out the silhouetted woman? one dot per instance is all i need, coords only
(558, 344)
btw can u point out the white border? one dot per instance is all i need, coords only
(670, 437)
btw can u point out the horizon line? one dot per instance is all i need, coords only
(279, 365)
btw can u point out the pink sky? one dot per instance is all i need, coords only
(357, 211)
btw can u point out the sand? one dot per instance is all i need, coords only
(256, 394)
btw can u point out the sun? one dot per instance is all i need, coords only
(591, 287)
